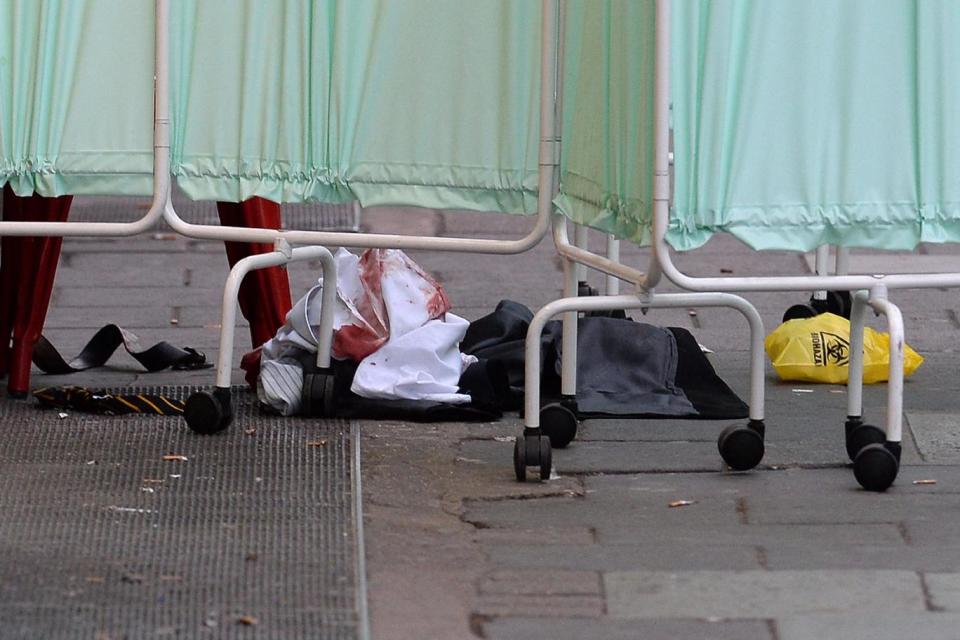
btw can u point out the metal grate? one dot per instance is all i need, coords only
(301, 216)
(102, 536)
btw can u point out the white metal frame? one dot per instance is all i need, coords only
(283, 255)
(876, 286)
(161, 159)
(576, 257)
(548, 159)
(316, 240)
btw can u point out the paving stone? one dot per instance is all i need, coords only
(661, 555)
(595, 457)
(543, 537)
(627, 520)
(871, 263)
(133, 316)
(877, 625)
(759, 594)
(574, 606)
(622, 532)
(69, 340)
(619, 430)
(860, 555)
(937, 435)
(605, 629)
(915, 479)
(588, 512)
(833, 496)
(541, 582)
(944, 590)
(65, 298)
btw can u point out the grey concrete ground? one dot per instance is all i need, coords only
(457, 549)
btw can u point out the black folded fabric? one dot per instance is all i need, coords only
(475, 381)
(102, 345)
(624, 368)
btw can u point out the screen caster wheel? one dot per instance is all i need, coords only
(741, 447)
(559, 423)
(862, 436)
(876, 466)
(318, 398)
(209, 412)
(532, 451)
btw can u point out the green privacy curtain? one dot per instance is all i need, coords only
(803, 122)
(607, 158)
(76, 96)
(415, 102)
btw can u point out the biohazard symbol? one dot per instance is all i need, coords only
(830, 349)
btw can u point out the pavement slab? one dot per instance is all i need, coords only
(665, 629)
(760, 594)
(875, 625)
(456, 548)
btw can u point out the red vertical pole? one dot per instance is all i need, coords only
(264, 293)
(30, 286)
(9, 272)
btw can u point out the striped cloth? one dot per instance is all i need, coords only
(101, 402)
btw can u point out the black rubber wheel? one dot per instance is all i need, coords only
(520, 458)
(546, 458)
(740, 447)
(206, 413)
(875, 467)
(839, 303)
(558, 423)
(798, 311)
(318, 398)
(862, 436)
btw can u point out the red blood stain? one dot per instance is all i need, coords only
(357, 342)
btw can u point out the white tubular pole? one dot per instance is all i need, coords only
(360, 240)
(161, 158)
(661, 143)
(228, 312)
(880, 304)
(592, 260)
(657, 301)
(549, 161)
(328, 300)
(568, 359)
(661, 213)
(581, 240)
(612, 285)
(858, 315)
(821, 268)
(843, 261)
(821, 259)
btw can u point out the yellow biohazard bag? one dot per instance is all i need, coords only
(817, 349)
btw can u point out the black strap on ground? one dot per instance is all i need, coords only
(102, 345)
(103, 403)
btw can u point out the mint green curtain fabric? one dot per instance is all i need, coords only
(803, 122)
(606, 179)
(417, 102)
(76, 96)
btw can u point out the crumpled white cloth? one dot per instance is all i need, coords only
(425, 363)
(420, 358)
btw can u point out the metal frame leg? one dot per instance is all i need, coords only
(210, 412)
(858, 317)
(753, 432)
(875, 453)
(231, 290)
